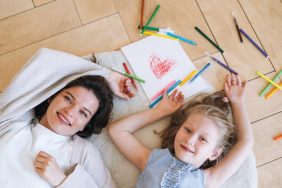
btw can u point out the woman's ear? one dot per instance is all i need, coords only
(217, 152)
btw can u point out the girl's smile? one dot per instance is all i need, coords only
(196, 140)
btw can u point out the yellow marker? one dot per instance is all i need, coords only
(159, 35)
(187, 78)
(272, 91)
(269, 80)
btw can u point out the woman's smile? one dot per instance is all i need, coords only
(63, 119)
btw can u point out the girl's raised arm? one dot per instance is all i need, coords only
(235, 91)
(121, 131)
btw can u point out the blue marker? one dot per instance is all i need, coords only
(200, 72)
(181, 38)
(168, 91)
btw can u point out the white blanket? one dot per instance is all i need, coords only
(123, 172)
(56, 75)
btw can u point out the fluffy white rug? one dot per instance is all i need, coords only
(123, 172)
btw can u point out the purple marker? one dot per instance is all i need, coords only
(253, 42)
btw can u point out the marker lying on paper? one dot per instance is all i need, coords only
(129, 75)
(162, 91)
(188, 77)
(200, 72)
(168, 91)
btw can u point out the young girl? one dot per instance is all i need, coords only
(195, 140)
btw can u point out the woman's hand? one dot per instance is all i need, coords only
(170, 104)
(235, 89)
(121, 85)
(47, 167)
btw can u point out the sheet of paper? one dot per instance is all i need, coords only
(159, 61)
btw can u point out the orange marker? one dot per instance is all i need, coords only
(142, 12)
(278, 137)
(272, 91)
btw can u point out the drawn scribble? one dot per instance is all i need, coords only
(161, 67)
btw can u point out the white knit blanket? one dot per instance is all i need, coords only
(52, 70)
(123, 172)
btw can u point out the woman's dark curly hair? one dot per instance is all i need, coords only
(211, 106)
(99, 86)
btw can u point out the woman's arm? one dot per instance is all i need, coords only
(121, 131)
(235, 91)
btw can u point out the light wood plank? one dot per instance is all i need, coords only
(91, 10)
(259, 107)
(37, 24)
(103, 35)
(243, 57)
(12, 7)
(215, 74)
(182, 17)
(266, 149)
(266, 19)
(41, 2)
(270, 175)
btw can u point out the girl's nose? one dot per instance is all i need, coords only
(191, 141)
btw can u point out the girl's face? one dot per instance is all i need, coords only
(196, 140)
(70, 111)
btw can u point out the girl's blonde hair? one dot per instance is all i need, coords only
(211, 106)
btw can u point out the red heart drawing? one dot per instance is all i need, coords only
(161, 67)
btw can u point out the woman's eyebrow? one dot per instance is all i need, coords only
(82, 106)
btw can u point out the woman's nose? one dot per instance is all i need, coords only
(71, 111)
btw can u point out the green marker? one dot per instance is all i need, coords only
(149, 28)
(206, 37)
(151, 18)
(276, 77)
(129, 75)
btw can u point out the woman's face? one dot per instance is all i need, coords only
(196, 140)
(70, 111)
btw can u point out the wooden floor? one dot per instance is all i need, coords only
(84, 26)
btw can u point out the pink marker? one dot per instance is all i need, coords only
(162, 91)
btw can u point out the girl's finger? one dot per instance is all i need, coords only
(179, 98)
(233, 79)
(172, 96)
(228, 80)
(226, 88)
(239, 80)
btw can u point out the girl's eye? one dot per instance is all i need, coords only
(84, 114)
(187, 130)
(204, 140)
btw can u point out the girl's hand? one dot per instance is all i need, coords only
(121, 85)
(234, 89)
(170, 104)
(47, 167)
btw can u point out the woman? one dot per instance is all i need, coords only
(67, 102)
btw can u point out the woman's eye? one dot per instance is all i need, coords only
(84, 114)
(67, 98)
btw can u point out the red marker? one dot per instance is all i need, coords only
(128, 72)
(278, 137)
